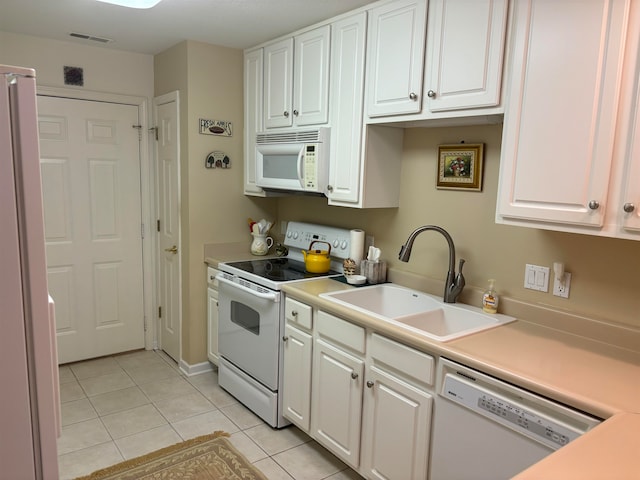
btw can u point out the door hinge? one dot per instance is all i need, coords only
(154, 129)
(139, 128)
(145, 323)
(142, 230)
(158, 224)
(159, 312)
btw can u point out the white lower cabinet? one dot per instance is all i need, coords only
(364, 397)
(212, 315)
(397, 410)
(297, 376)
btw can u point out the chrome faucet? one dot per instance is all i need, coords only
(454, 282)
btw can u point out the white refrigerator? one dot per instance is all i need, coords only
(29, 402)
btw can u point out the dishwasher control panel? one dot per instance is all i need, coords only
(547, 422)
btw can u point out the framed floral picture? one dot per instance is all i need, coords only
(460, 167)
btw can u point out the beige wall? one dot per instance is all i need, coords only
(213, 208)
(105, 70)
(604, 282)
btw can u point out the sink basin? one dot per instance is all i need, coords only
(417, 312)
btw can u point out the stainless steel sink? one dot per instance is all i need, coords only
(418, 312)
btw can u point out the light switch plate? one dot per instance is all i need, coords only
(536, 278)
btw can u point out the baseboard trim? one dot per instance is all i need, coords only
(197, 369)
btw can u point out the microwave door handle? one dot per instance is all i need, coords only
(301, 166)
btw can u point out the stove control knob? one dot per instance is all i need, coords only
(343, 244)
(295, 235)
(336, 243)
(289, 234)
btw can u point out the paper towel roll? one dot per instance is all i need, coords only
(356, 242)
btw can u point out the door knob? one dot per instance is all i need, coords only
(594, 204)
(173, 249)
(413, 96)
(431, 94)
(354, 375)
(370, 384)
(629, 207)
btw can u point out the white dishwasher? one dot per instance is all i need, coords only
(485, 428)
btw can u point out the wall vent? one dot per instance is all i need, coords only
(84, 36)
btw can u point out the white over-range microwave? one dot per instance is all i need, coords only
(296, 161)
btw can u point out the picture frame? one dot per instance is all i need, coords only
(460, 167)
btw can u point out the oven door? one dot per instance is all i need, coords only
(249, 329)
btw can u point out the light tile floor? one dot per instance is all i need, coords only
(119, 407)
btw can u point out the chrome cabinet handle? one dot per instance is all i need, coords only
(370, 384)
(413, 96)
(431, 94)
(173, 249)
(354, 375)
(629, 207)
(285, 338)
(286, 114)
(295, 112)
(330, 188)
(594, 205)
(294, 313)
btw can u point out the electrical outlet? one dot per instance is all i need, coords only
(561, 289)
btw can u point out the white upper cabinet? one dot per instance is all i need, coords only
(346, 99)
(296, 80)
(252, 117)
(560, 120)
(395, 57)
(465, 49)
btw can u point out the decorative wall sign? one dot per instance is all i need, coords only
(460, 167)
(221, 128)
(218, 160)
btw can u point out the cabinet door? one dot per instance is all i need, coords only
(253, 71)
(465, 46)
(347, 83)
(278, 75)
(396, 58)
(212, 324)
(560, 119)
(311, 77)
(297, 376)
(629, 201)
(336, 405)
(396, 428)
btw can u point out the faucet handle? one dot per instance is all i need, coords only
(460, 265)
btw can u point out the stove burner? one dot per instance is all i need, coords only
(278, 269)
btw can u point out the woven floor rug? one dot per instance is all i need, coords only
(210, 457)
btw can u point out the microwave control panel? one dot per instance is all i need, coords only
(310, 166)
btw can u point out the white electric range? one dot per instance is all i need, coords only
(251, 316)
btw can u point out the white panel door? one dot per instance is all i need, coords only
(311, 77)
(278, 77)
(336, 404)
(297, 376)
(397, 423)
(559, 128)
(396, 58)
(168, 209)
(465, 46)
(90, 164)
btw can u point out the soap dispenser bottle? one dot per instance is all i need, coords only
(490, 299)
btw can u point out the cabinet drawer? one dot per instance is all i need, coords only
(211, 277)
(341, 332)
(298, 313)
(405, 361)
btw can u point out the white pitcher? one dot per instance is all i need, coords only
(261, 244)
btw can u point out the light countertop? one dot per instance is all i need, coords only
(589, 375)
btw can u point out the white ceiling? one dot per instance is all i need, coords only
(230, 23)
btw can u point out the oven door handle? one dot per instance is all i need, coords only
(273, 296)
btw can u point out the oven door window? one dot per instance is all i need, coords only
(245, 317)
